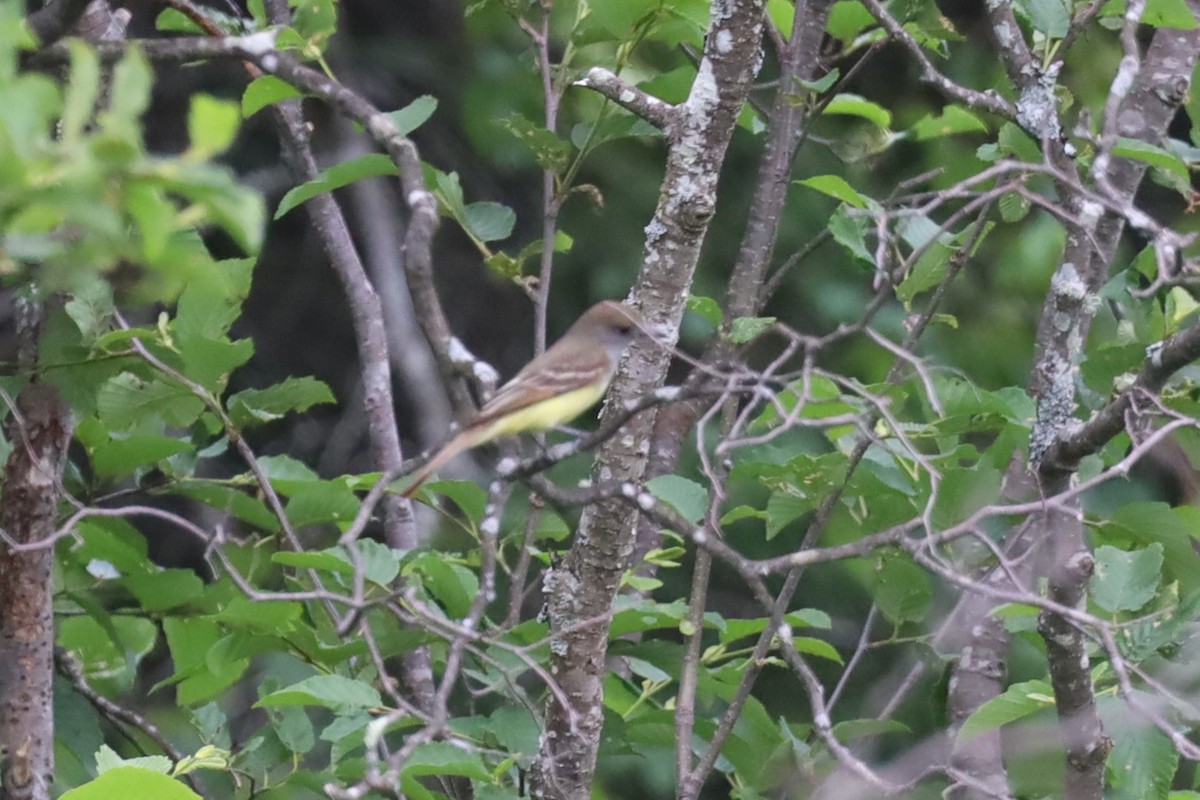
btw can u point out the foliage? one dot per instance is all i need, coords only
(878, 458)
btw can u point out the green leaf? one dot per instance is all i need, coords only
(322, 501)
(126, 400)
(484, 221)
(963, 491)
(856, 106)
(293, 727)
(816, 647)
(82, 90)
(237, 209)
(1173, 528)
(735, 629)
(414, 115)
(191, 641)
(1014, 206)
(379, 563)
(110, 648)
(1018, 701)
(117, 457)
(847, 19)
(332, 560)
(638, 615)
(1126, 581)
(705, 307)
(444, 758)
(687, 497)
(264, 91)
(953, 120)
(550, 152)
(901, 589)
(488, 221)
(853, 729)
(330, 691)
(254, 406)
(927, 273)
(156, 219)
(1143, 760)
(850, 233)
(233, 502)
(162, 591)
(1051, 17)
(370, 165)
(126, 782)
(1169, 14)
(1012, 141)
(1151, 154)
(107, 758)
(212, 126)
(129, 92)
(469, 496)
(452, 585)
(747, 329)
(783, 508)
(287, 474)
(91, 307)
(836, 186)
(269, 616)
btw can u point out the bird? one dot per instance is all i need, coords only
(552, 389)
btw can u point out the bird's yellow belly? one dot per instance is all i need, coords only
(548, 413)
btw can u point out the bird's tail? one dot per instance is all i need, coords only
(463, 441)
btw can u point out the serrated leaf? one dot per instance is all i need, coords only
(1051, 17)
(1012, 141)
(453, 585)
(850, 233)
(162, 591)
(91, 307)
(1014, 206)
(862, 728)
(126, 400)
(687, 497)
(1126, 581)
(444, 758)
(783, 508)
(1018, 701)
(290, 395)
(330, 691)
(130, 781)
(1142, 761)
(747, 329)
(901, 589)
(322, 501)
(550, 152)
(117, 457)
(1169, 14)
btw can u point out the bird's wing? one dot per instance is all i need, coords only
(534, 383)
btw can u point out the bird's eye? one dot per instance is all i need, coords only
(624, 329)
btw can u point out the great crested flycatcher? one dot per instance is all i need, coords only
(554, 388)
